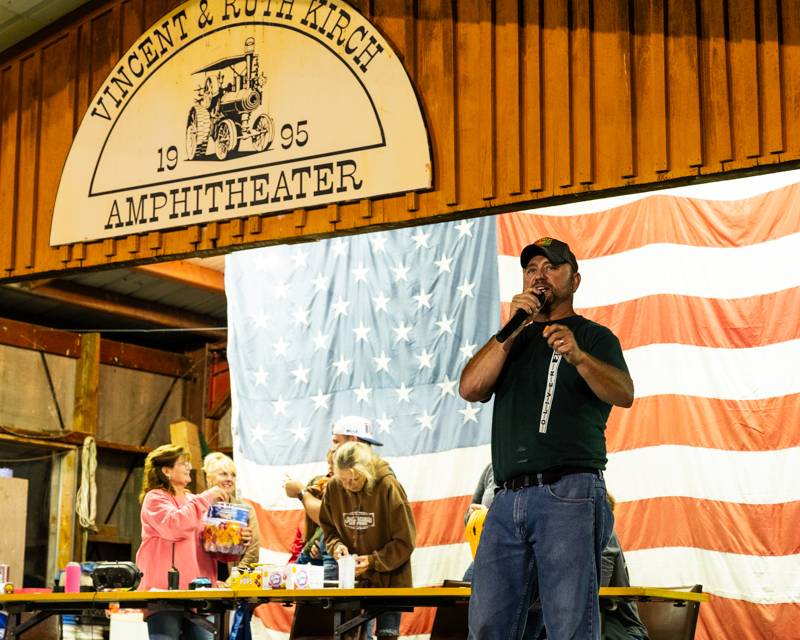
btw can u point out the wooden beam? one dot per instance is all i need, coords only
(66, 440)
(67, 487)
(87, 380)
(130, 356)
(187, 435)
(36, 338)
(36, 442)
(192, 275)
(125, 307)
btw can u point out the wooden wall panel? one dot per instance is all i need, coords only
(9, 164)
(526, 101)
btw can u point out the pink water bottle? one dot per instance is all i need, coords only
(72, 581)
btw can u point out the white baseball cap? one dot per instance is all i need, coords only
(356, 426)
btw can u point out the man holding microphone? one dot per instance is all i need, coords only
(555, 376)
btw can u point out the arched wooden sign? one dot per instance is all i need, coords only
(228, 109)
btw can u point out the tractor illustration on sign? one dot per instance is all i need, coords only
(228, 107)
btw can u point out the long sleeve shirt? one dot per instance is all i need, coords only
(169, 520)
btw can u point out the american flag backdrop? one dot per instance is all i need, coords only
(702, 286)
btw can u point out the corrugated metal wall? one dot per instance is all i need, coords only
(524, 100)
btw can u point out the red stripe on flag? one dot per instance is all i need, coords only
(658, 219)
(748, 529)
(728, 619)
(418, 622)
(277, 528)
(707, 322)
(439, 522)
(275, 616)
(733, 425)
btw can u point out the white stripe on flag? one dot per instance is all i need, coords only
(746, 477)
(738, 189)
(705, 272)
(759, 579)
(753, 373)
(456, 470)
(431, 565)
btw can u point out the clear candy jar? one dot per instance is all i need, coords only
(222, 529)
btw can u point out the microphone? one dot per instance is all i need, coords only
(517, 319)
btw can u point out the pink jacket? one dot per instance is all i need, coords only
(166, 519)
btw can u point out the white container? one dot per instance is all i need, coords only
(347, 572)
(275, 576)
(306, 576)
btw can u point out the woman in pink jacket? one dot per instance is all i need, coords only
(172, 518)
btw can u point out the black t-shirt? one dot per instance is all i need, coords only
(545, 415)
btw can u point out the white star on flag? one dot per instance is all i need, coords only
(401, 332)
(384, 424)
(342, 366)
(362, 393)
(299, 432)
(300, 373)
(261, 319)
(280, 406)
(360, 273)
(261, 376)
(320, 282)
(403, 393)
(466, 289)
(468, 350)
(423, 299)
(447, 385)
(464, 228)
(469, 412)
(280, 347)
(426, 420)
(444, 264)
(424, 359)
(320, 341)
(420, 239)
(301, 316)
(445, 324)
(382, 362)
(380, 302)
(400, 272)
(300, 258)
(362, 332)
(321, 400)
(340, 307)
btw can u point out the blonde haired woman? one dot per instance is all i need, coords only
(171, 520)
(220, 471)
(365, 512)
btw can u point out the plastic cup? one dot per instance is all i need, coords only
(347, 572)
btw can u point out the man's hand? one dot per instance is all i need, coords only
(292, 487)
(562, 341)
(475, 507)
(362, 565)
(315, 552)
(340, 551)
(526, 301)
(608, 383)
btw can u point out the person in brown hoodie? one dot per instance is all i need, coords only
(365, 512)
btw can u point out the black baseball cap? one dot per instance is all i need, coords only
(555, 251)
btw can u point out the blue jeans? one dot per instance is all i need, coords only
(168, 625)
(544, 541)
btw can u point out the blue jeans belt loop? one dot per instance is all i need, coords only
(545, 477)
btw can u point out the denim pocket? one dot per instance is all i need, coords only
(576, 487)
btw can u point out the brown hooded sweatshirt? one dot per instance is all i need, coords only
(379, 524)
